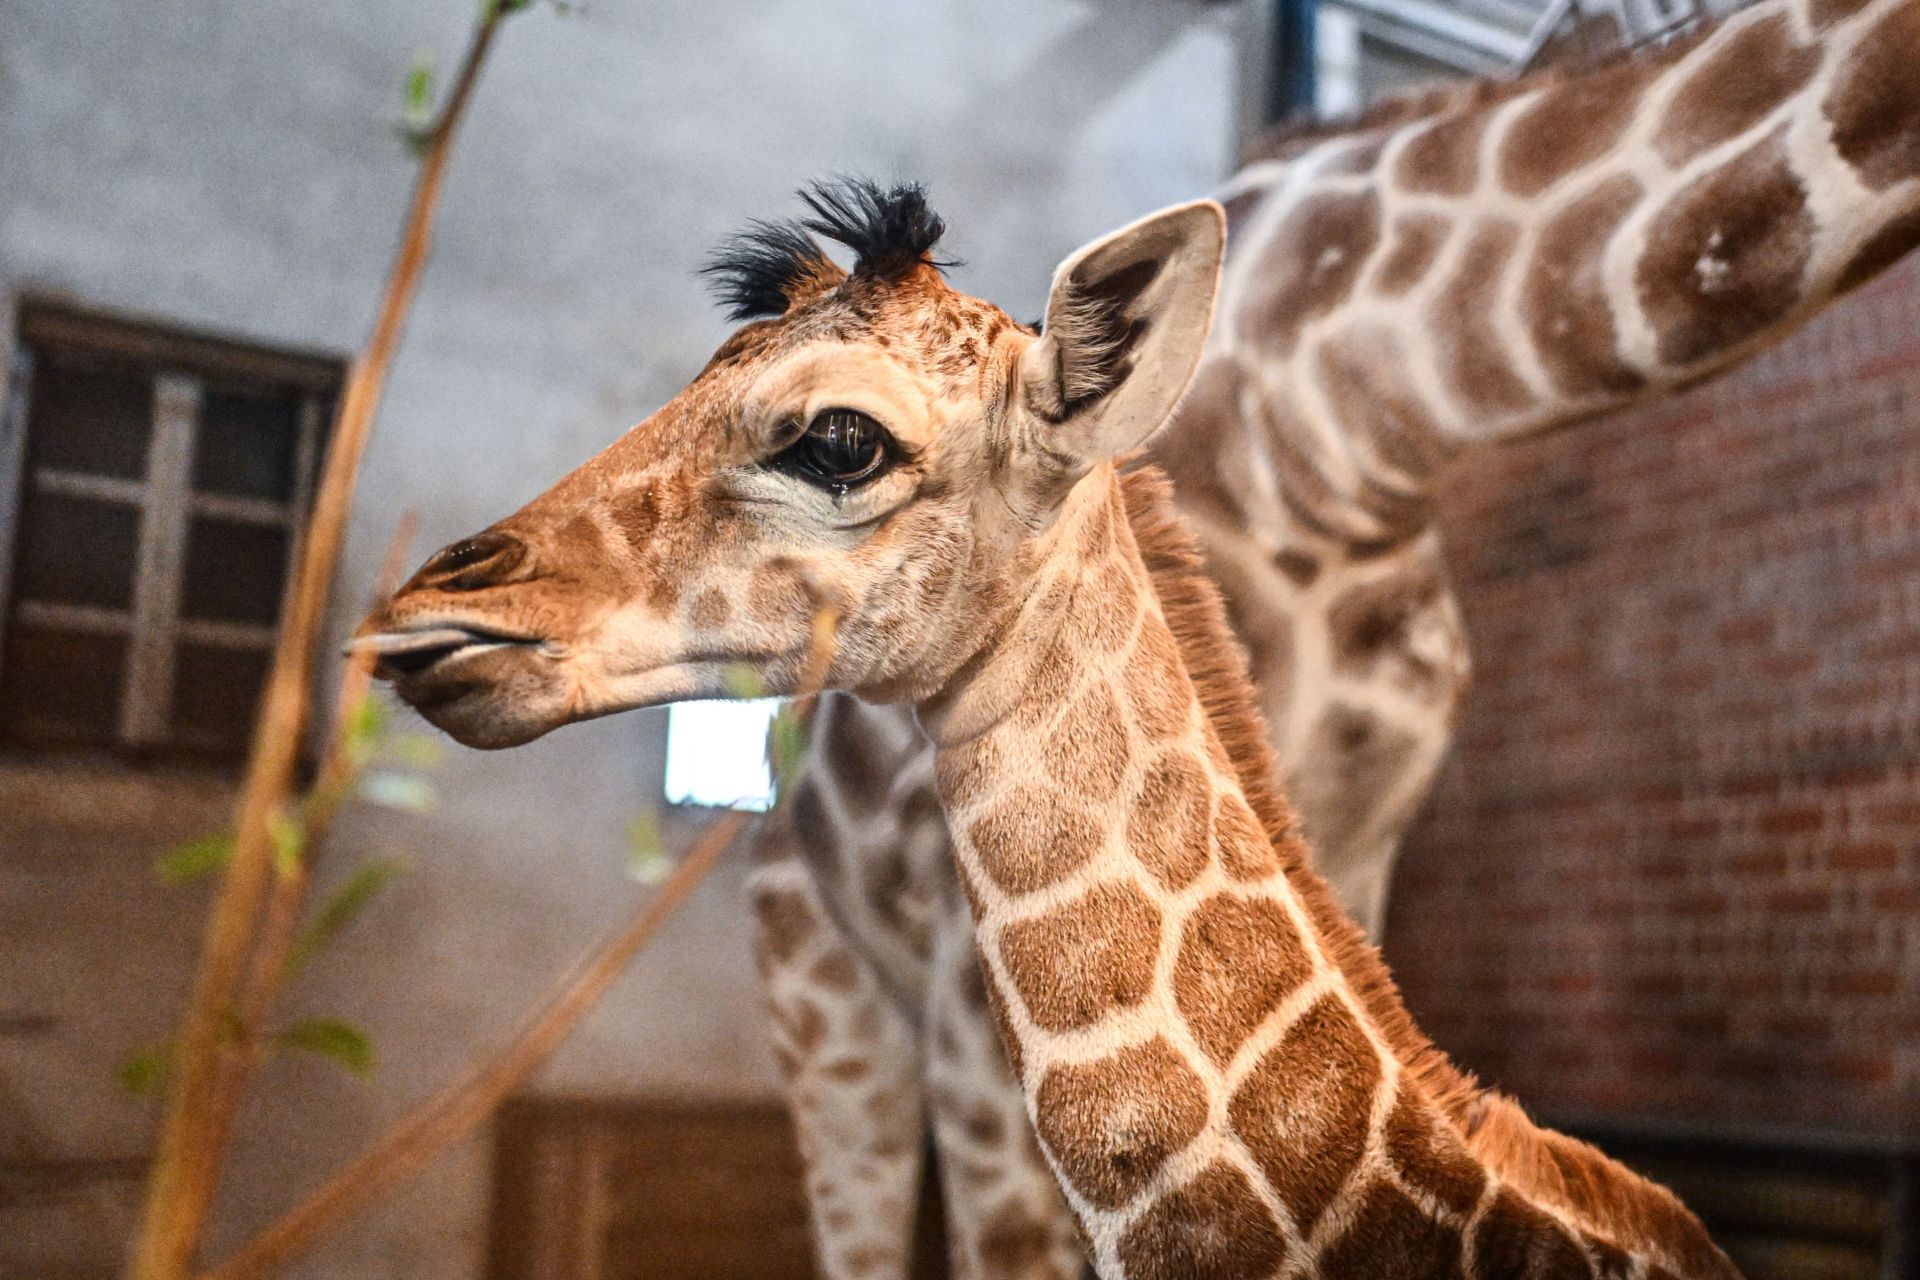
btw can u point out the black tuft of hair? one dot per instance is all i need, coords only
(891, 230)
(752, 271)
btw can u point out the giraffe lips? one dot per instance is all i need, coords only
(400, 654)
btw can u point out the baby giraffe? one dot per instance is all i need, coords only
(1219, 1069)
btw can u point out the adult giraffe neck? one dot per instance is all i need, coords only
(1517, 258)
(1217, 1077)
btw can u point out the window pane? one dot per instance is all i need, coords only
(247, 445)
(215, 693)
(77, 551)
(59, 687)
(234, 572)
(92, 420)
(717, 754)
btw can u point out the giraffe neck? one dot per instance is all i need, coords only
(1221, 1082)
(1531, 255)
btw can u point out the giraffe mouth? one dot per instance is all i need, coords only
(399, 655)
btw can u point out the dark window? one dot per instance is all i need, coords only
(152, 483)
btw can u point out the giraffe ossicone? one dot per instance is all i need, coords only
(1218, 1067)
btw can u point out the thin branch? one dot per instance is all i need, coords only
(204, 1084)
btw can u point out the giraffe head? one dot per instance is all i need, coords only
(870, 440)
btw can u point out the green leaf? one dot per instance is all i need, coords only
(188, 862)
(647, 858)
(403, 791)
(419, 92)
(786, 744)
(331, 1038)
(415, 750)
(342, 906)
(365, 726)
(144, 1071)
(289, 838)
(743, 681)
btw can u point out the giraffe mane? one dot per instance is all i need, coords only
(765, 269)
(1597, 1191)
(1298, 134)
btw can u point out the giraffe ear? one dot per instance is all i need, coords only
(1126, 322)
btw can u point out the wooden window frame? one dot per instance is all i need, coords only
(181, 363)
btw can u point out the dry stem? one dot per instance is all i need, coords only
(208, 1074)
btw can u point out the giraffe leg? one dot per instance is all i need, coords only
(850, 1059)
(1005, 1217)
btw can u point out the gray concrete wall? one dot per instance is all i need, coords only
(231, 164)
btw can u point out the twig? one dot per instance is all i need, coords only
(204, 1084)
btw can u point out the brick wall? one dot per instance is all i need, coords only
(1672, 871)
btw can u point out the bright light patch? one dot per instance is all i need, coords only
(717, 754)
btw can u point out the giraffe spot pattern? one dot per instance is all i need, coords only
(1105, 629)
(1444, 158)
(1088, 753)
(1084, 959)
(835, 971)
(1412, 248)
(1875, 102)
(1387, 1234)
(1362, 755)
(1238, 959)
(1303, 1110)
(776, 597)
(1309, 265)
(1157, 691)
(1822, 14)
(1570, 125)
(1755, 71)
(1015, 1243)
(1609, 1261)
(1726, 255)
(1372, 394)
(1473, 357)
(1111, 1124)
(710, 610)
(1890, 244)
(787, 922)
(1564, 301)
(1049, 683)
(1429, 1156)
(1034, 839)
(1512, 1238)
(1211, 1228)
(1167, 823)
(1240, 842)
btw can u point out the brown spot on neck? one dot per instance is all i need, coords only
(1564, 300)
(1478, 367)
(1756, 70)
(1726, 257)
(1875, 102)
(1443, 159)
(1571, 125)
(1308, 266)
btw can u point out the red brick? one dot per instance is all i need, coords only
(1873, 855)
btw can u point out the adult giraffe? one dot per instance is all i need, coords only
(1456, 271)
(1223, 1076)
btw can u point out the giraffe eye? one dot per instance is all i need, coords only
(841, 449)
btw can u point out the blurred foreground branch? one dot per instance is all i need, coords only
(210, 1063)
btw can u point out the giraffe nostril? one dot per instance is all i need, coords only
(485, 560)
